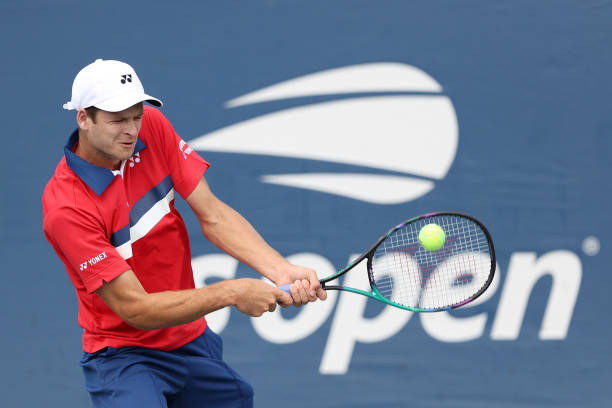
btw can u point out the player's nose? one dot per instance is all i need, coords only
(131, 128)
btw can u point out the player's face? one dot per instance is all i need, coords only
(111, 138)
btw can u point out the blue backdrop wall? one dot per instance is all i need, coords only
(327, 123)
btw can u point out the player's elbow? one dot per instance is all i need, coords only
(138, 321)
(126, 297)
(136, 315)
(211, 218)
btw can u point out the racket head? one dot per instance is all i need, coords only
(404, 274)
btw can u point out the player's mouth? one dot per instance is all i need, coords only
(127, 145)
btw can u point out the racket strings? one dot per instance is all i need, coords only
(408, 274)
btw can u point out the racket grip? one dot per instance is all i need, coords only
(285, 288)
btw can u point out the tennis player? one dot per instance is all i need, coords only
(109, 214)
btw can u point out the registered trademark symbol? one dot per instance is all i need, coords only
(591, 245)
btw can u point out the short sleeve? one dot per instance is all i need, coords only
(185, 165)
(80, 241)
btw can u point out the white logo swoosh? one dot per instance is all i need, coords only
(375, 77)
(374, 188)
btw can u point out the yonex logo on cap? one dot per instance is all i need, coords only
(125, 78)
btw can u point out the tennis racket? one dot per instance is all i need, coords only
(402, 273)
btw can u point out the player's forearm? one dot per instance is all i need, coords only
(173, 308)
(233, 234)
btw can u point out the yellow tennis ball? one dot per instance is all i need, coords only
(432, 237)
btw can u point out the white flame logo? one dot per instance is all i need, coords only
(411, 137)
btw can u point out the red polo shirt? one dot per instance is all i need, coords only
(103, 223)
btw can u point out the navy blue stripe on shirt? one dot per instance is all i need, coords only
(150, 199)
(120, 237)
(139, 209)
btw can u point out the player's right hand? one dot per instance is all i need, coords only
(254, 297)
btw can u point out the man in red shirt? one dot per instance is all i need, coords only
(109, 214)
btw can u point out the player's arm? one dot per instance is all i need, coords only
(78, 234)
(233, 234)
(129, 300)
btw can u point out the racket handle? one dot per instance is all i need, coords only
(285, 288)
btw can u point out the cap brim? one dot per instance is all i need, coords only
(126, 101)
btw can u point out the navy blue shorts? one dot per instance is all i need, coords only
(191, 376)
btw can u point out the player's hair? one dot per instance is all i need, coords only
(92, 112)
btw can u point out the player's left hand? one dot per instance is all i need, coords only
(305, 286)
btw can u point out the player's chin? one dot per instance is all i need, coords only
(124, 151)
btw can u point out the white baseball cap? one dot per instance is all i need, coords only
(109, 85)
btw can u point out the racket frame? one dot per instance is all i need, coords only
(369, 254)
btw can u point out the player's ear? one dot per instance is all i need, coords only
(82, 119)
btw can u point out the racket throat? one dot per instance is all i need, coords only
(324, 286)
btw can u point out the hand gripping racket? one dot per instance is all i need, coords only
(402, 273)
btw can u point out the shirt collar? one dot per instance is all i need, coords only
(97, 178)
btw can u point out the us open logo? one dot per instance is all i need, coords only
(397, 125)
(394, 121)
